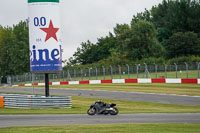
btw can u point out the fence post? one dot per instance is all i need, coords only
(69, 78)
(145, 73)
(74, 74)
(11, 80)
(14, 79)
(156, 70)
(176, 69)
(63, 74)
(111, 72)
(89, 72)
(96, 72)
(17, 80)
(30, 77)
(52, 77)
(25, 78)
(198, 67)
(128, 69)
(39, 78)
(137, 68)
(186, 65)
(104, 72)
(33, 80)
(165, 70)
(82, 74)
(120, 71)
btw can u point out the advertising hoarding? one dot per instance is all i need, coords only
(44, 36)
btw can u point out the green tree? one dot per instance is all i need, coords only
(20, 49)
(105, 46)
(122, 32)
(183, 44)
(6, 43)
(146, 15)
(90, 53)
(84, 55)
(173, 16)
(14, 52)
(143, 42)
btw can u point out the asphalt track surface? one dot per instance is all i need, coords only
(131, 96)
(53, 120)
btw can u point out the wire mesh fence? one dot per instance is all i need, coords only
(127, 71)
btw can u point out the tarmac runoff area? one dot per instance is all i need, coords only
(131, 96)
(53, 120)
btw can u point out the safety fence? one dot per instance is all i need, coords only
(137, 71)
(34, 101)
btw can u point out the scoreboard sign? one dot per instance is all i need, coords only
(44, 36)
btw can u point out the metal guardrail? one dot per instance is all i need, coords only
(35, 101)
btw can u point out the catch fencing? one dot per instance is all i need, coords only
(34, 101)
(156, 71)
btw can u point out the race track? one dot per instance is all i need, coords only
(131, 96)
(53, 120)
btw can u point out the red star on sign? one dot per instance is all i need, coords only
(51, 31)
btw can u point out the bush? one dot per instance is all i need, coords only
(181, 60)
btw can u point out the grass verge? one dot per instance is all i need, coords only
(179, 89)
(80, 106)
(104, 128)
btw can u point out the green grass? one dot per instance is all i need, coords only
(80, 106)
(180, 89)
(105, 128)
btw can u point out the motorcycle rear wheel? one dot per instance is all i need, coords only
(115, 111)
(91, 111)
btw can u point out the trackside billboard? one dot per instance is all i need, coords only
(44, 36)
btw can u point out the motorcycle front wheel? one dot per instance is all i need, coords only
(91, 111)
(115, 111)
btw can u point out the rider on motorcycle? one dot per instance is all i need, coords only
(101, 104)
(100, 107)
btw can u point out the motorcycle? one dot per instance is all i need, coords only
(102, 108)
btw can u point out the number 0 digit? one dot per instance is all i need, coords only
(43, 21)
(36, 21)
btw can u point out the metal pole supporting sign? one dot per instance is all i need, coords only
(45, 38)
(47, 85)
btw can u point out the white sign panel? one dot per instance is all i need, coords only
(45, 36)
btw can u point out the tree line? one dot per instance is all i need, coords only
(167, 31)
(14, 49)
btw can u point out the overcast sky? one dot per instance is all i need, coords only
(81, 20)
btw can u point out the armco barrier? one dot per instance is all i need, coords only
(114, 81)
(34, 101)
